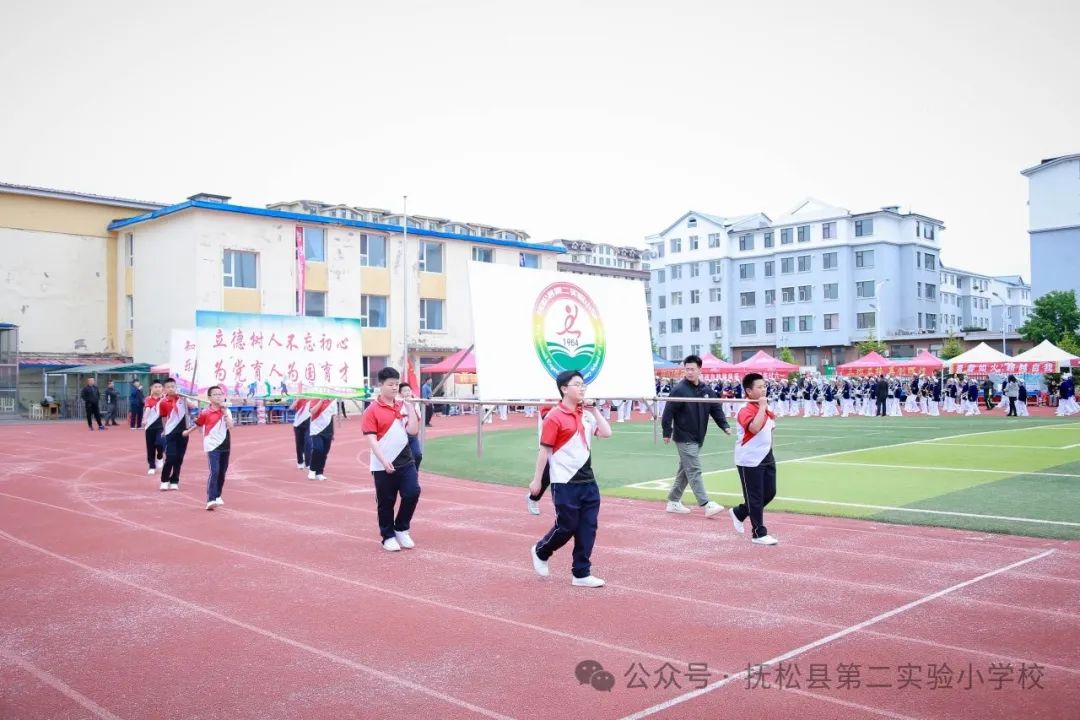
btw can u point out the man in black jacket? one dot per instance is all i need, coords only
(112, 403)
(881, 394)
(91, 398)
(687, 423)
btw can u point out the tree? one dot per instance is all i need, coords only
(1055, 316)
(786, 355)
(871, 345)
(1070, 343)
(718, 351)
(950, 348)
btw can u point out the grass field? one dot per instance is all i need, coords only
(1010, 475)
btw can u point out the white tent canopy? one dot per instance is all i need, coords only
(1046, 351)
(980, 359)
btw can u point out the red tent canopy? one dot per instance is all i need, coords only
(763, 362)
(870, 361)
(923, 361)
(468, 363)
(712, 364)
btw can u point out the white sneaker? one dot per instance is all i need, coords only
(211, 505)
(739, 528)
(764, 540)
(311, 475)
(587, 582)
(540, 566)
(174, 486)
(404, 539)
(712, 508)
(301, 466)
(320, 477)
(219, 501)
(151, 471)
(390, 545)
(164, 486)
(677, 507)
(533, 505)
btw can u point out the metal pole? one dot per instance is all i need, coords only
(405, 287)
(480, 432)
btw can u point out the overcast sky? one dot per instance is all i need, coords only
(596, 120)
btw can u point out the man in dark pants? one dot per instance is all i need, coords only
(754, 461)
(136, 400)
(566, 450)
(391, 460)
(988, 394)
(429, 409)
(91, 398)
(112, 404)
(881, 394)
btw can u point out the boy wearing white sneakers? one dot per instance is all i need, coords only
(566, 451)
(754, 461)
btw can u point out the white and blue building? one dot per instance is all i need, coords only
(1054, 224)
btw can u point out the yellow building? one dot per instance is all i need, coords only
(402, 282)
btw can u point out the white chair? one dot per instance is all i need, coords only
(7, 405)
(36, 413)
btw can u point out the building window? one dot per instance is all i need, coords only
(931, 292)
(865, 320)
(373, 311)
(828, 231)
(804, 263)
(240, 269)
(695, 297)
(930, 262)
(928, 231)
(931, 321)
(532, 260)
(769, 239)
(746, 299)
(314, 244)
(676, 245)
(829, 261)
(659, 276)
(130, 303)
(484, 255)
(693, 242)
(770, 268)
(806, 323)
(918, 260)
(695, 269)
(770, 326)
(787, 294)
(372, 251)
(431, 256)
(748, 327)
(746, 242)
(806, 293)
(770, 297)
(787, 324)
(663, 352)
(714, 294)
(314, 304)
(714, 240)
(129, 249)
(676, 272)
(372, 364)
(663, 327)
(431, 314)
(920, 321)
(716, 323)
(832, 321)
(832, 291)
(864, 258)
(676, 351)
(676, 298)
(692, 222)
(787, 265)
(785, 236)
(714, 267)
(695, 324)
(864, 228)
(663, 301)
(804, 233)
(746, 271)
(676, 325)
(864, 289)
(695, 350)
(918, 289)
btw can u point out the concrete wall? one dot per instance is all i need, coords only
(1055, 261)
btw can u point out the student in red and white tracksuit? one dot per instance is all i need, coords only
(174, 413)
(754, 460)
(151, 417)
(387, 425)
(321, 430)
(215, 422)
(301, 429)
(566, 449)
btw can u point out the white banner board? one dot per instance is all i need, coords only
(239, 349)
(530, 325)
(182, 358)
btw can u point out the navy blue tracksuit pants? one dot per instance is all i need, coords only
(405, 482)
(219, 465)
(175, 448)
(577, 512)
(303, 443)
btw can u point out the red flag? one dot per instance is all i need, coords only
(301, 270)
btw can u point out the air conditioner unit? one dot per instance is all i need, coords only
(717, 278)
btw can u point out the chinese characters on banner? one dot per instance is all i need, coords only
(1020, 368)
(182, 359)
(238, 349)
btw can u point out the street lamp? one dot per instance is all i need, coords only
(1004, 316)
(880, 309)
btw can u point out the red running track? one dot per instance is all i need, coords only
(121, 601)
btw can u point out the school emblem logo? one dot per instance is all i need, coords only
(567, 331)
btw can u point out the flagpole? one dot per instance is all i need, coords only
(405, 291)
